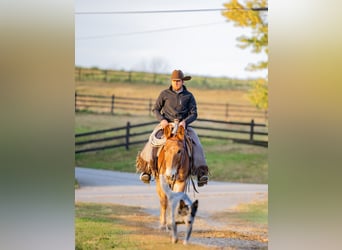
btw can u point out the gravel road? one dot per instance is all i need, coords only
(104, 186)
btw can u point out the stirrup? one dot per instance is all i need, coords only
(145, 177)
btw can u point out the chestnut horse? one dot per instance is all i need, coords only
(174, 164)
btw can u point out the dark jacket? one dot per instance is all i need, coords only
(171, 105)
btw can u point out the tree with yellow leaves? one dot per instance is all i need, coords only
(252, 15)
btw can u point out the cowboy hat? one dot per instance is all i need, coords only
(178, 74)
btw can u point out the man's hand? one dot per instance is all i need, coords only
(164, 123)
(182, 123)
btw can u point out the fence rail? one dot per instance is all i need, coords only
(125, 136)
(118, 104)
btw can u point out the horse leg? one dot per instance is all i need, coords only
(162, 218)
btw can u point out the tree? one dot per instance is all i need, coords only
(158, 65)
(249, 15)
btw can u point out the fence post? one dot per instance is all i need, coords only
(105, 75)
(227, 106)
(265, 116)
(75, 101)
(79, 74)
(129, 76)
(127, 135)
(112, 105)
(251, 134)
(149, 107)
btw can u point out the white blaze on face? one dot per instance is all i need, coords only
(170, 172)
(172, 159)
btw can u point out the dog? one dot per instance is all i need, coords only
(183, 210)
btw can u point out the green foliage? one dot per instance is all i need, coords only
(243, 16)
(259, 94)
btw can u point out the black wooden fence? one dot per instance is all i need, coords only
(125, 136)
(112, 104)
(143, 106)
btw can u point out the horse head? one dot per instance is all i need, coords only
(173, 152)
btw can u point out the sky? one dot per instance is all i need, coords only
(198, 43)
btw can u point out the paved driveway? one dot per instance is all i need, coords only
(104, 186)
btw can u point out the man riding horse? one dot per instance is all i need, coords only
(175, 104)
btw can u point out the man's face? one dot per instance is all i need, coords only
(177, 84)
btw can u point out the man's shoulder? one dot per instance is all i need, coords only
(166, 91)
(187, 92)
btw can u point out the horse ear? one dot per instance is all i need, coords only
(180, 133)
(167, 132)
